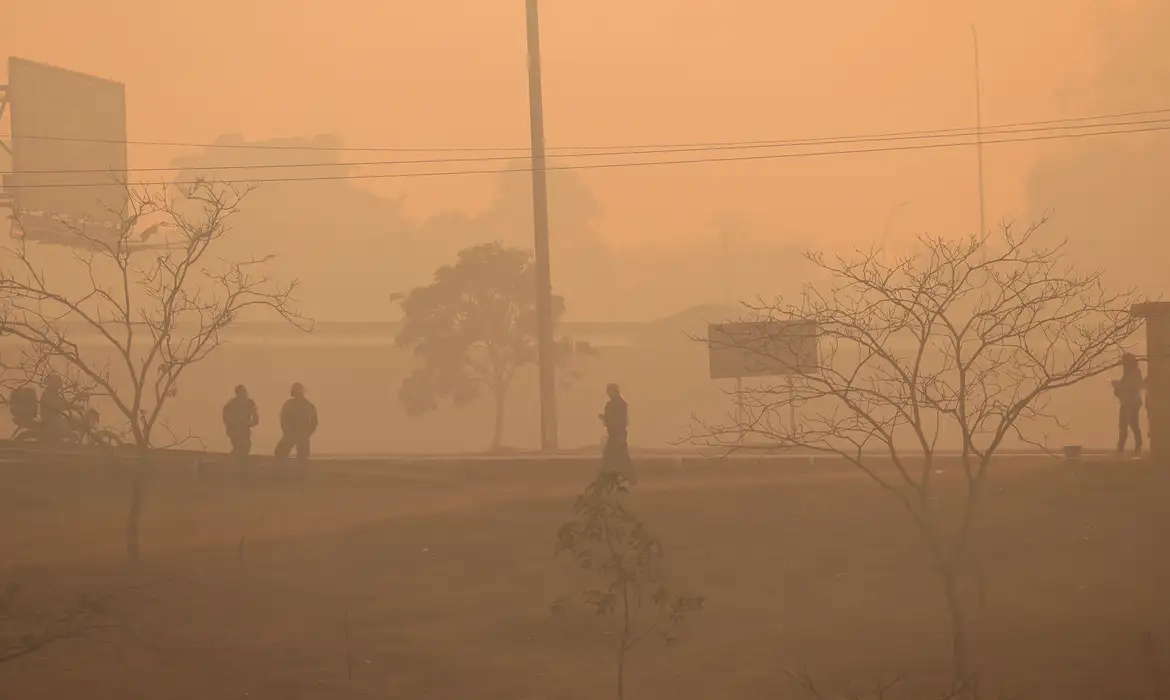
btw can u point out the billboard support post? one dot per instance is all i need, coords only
(1157, 320)
(6, 200)
(792, 404)
(3, 109)
(740, 412)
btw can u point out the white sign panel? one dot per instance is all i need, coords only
(762, 349)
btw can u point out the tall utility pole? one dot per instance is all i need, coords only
(979, 136)
(979, 148)
(544, 320)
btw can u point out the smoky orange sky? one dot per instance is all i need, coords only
(452, 73)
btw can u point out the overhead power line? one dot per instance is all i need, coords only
(953, 131)
(637, 164)
(909, 136)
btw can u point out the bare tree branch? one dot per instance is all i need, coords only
(143, 315)
(153, 312)
(955, 343)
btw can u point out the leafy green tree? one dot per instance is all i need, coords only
(472, 328)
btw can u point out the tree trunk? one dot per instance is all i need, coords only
(624, 643)
(498, 431)
(134, 516)
(621, 675)
(960, 632)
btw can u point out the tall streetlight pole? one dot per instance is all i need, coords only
(979, 135)
(544, 320)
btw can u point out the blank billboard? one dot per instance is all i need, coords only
(65, 121)
(762, 349)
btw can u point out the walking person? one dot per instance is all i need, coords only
(298, 422)
(240, 415)
(1128, 390)
(615, 455)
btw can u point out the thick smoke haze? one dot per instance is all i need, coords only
(1107, 195)
(451, 73)
(329, 230)
(796, 421)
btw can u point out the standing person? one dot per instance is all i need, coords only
(1128, 390)
(298, 422)
(54, 410)
(240, 415)
(616, 417)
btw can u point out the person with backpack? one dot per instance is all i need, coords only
(240, 415)
(55, 419)
(1128, 390)
(22, 405)
(298, 422)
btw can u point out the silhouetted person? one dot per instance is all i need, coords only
(615, 455)
(54, 410)
(298, 422)
(24, 405)
(240, 415)
(1128, 390)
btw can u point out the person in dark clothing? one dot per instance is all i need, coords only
(298, 422)
(240, 415)
(54, 410)
(1128, 390)
(616, 454)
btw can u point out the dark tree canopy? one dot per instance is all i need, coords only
(472, 328)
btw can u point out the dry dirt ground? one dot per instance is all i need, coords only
(443, 579)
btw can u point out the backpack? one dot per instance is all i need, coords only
(23, 405)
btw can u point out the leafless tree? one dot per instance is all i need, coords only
(150, 312)
(960, 341)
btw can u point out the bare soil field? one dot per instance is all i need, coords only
(442, 579)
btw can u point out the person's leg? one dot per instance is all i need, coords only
(1135, 426)
(631, 470)
(235, 452)
(283, 448)
(303, 456)
(245, 453)
(622, 461)
(610, 457)
(1122, 428)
